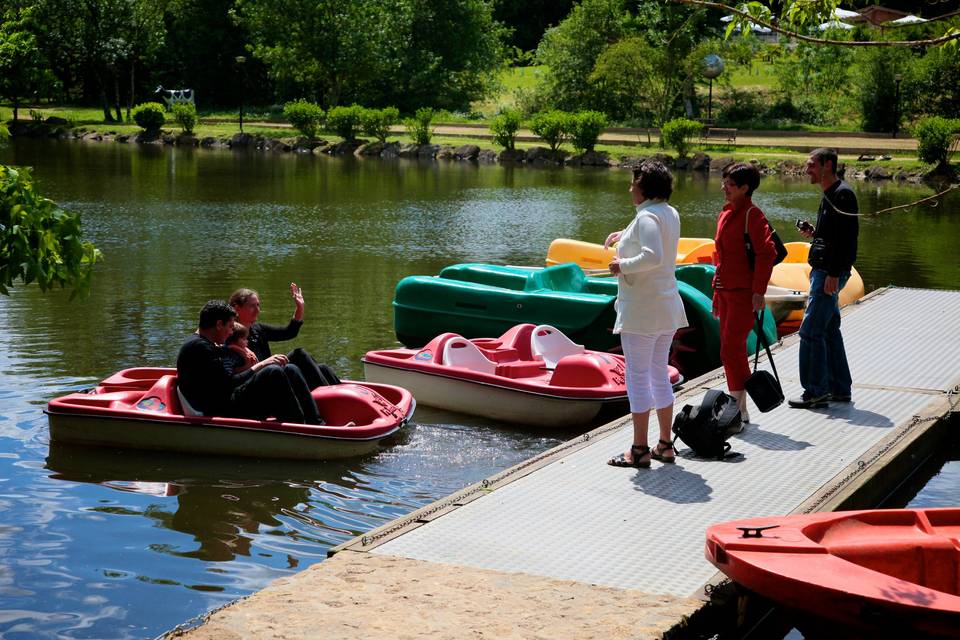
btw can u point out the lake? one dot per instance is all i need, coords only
(113, 544)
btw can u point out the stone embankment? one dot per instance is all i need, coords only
(535, 156)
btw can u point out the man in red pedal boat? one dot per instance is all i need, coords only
(270, 388)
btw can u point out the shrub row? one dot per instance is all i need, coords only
(582, 129)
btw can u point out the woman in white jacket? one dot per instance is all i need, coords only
(649, 310)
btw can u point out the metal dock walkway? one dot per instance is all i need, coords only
(566, 515)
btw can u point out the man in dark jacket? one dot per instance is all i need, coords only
(824, 373)
(270, 388)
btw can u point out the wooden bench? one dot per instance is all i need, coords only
(717, 133)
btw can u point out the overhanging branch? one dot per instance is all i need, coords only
(804, 38)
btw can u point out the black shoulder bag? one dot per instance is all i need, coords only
(764, 389)
(777, 242)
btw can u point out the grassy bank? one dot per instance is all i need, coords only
(224, 124)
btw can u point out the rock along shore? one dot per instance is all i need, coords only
(534, 156)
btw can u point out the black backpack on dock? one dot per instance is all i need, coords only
(705, 428)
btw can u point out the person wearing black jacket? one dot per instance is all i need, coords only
(246, 302)
(270, 388)
(824, 372)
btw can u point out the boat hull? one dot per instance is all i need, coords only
(476, 300)
(491, 401)
(141, 409)
(207, 439)
(881, 571)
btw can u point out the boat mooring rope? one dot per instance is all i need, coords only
(953, 398)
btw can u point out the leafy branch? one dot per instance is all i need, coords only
(39, 241)
(796, 14)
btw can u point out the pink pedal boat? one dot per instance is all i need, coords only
(532, 375)
(143, 409)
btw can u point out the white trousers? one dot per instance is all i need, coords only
(648, 379)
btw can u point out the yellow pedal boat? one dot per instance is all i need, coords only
(793, 274)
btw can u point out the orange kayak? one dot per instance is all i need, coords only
(876, 571)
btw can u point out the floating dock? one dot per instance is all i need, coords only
(565, 546)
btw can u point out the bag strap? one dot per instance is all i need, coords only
(746, 219)
(762, 339)
(730, 409)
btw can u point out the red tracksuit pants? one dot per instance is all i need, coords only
(736, 320)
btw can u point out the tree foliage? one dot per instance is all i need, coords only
(23, 67)
(39, 241)
(570, 49)
(376, 123)
(305, 116)
(679, 135)
(186, 116)
(504, 128)
(937, 138)
(552, 127)
(150, 116)
(419, 127)
(441, 53)
(585, 129)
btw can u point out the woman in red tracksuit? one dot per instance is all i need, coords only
(737, 289)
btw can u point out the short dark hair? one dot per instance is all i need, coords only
(823, 155)
(744, 173)
(654, 179)
(214, 311)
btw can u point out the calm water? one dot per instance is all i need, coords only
(106, 544)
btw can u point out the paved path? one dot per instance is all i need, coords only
(564, 546)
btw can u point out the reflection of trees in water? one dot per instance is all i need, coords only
(222, 502)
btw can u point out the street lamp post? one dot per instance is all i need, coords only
(896, 105)
(240, 62)
(710, 67)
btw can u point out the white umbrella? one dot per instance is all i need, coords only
(908, 19)
(843, 14)
(726, 19)
(834, 24)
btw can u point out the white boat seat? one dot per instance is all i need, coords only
(187, 408)
(552, 345)
(460, 352)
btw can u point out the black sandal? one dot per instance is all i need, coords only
(637, 451)
(664, 445)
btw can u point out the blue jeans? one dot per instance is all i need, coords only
(823, 361)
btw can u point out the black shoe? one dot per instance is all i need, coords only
(840, 397)
(807, 401)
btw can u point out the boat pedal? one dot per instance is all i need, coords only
(755, 532)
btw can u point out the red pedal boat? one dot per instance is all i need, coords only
(531, 375)
(141, 409)
(882, 571)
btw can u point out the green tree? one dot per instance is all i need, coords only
(679, 135)
(39, 241)
(553, 127)
(23, 67)
(328, 50)
(876, 86)
(98, 43)
(186, 116)
(585, 129)
(570, 50)
(419, 126)
(377, 122)
(504, 128)
(937, 138)
(305, 116)
(450, 53)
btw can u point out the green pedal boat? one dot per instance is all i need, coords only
(476, 300)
